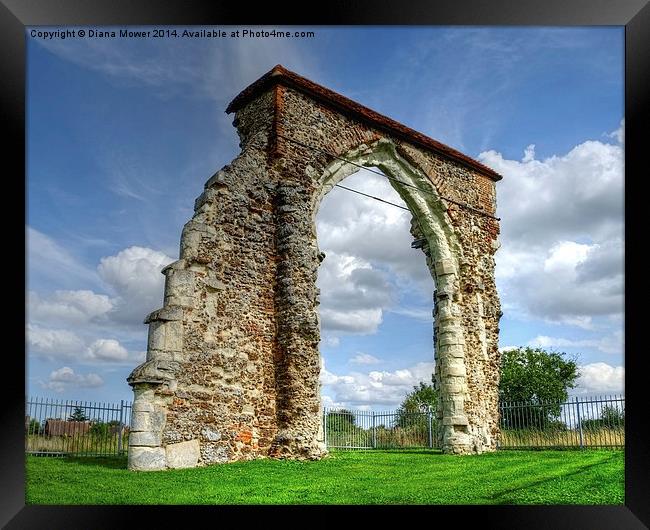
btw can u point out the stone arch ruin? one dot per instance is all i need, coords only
(232, 367)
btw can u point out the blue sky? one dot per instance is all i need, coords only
(123, 133)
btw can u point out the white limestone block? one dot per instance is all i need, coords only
(183, 454)
(146, 458)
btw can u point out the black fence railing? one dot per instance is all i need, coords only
(577, 423)
(60, 428)
(580, 422)
(348, 429)
(83, 428)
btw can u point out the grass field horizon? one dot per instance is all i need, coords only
(594, 476)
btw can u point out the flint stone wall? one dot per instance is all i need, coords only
(232, 367)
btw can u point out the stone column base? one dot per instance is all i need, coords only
(297, 447)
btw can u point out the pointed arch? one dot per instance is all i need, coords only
(444, 255)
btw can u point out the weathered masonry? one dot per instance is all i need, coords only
(232, 367)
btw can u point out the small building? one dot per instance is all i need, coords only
(66, 427)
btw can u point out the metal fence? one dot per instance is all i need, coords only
(349, 429)
(577, 423)
(60, 428)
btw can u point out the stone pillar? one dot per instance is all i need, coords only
(450, 365)
(298, 335)
(154, 381)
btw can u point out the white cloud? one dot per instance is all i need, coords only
(566, 256)
(364, 358)
(373, 388)
(65, 378)
(73, 325)
(68, 306)
(619, 134)
(328, 402)
(371, 231)
(329, 340)
(584, 322)
(63, 344)
(368, 258)
(107, 350)
(353, 295)
(138, 356)
(561, 258)
(360, 321)
(568, 283)
(134, 274)
(561, 197)
(529, 153)
(612, 343)
(603, 262)
(54, 343)
(600, 377)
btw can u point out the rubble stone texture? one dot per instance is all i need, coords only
(232, 367)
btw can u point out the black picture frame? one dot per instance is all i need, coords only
(15, 15)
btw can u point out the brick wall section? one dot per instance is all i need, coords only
(232, 368)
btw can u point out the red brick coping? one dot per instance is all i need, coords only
(279, 75)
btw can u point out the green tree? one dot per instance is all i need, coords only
(34, 426)
(610, 418)
(538, 382)
(420, 399)
(78, 415)
(342, 420)
(100, 429)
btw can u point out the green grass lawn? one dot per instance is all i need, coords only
(369, 477)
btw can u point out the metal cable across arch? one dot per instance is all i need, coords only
(461, 204)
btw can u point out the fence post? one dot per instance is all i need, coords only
(579, 422)
(374, 431)
(325, 427)
(430, 427)
(120, 431)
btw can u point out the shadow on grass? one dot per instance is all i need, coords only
(501, 496)
(380, 450)
(407, 451)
